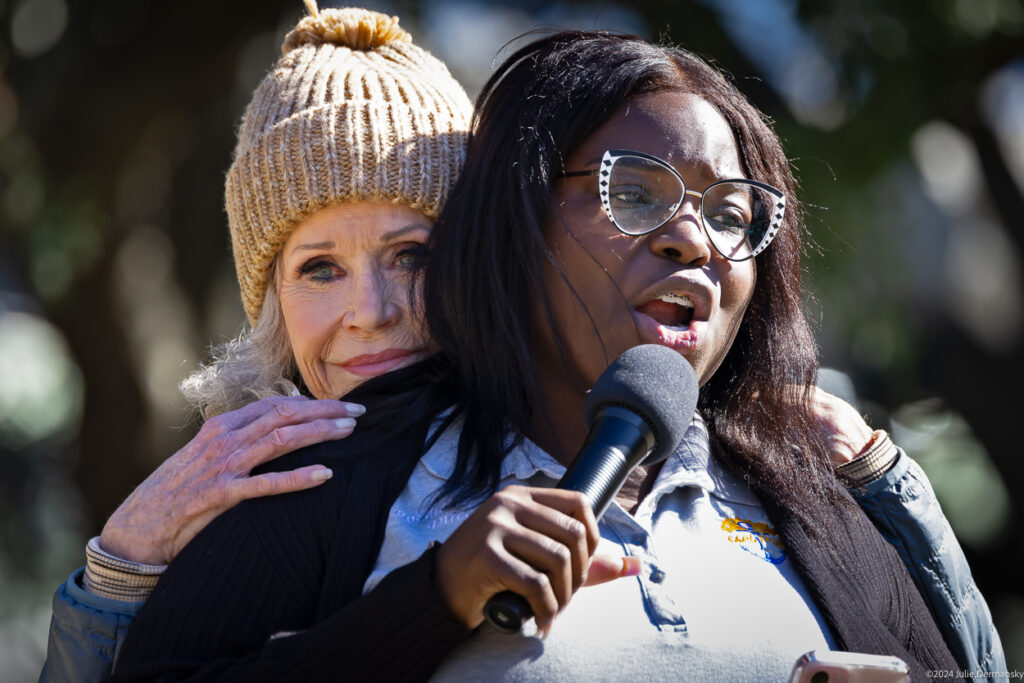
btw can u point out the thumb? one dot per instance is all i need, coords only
(604, 568)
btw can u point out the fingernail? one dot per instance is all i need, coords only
(631, 566)
(321, 475)
(344, 423)
(355, 408)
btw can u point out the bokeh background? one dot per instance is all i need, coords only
(905, 122)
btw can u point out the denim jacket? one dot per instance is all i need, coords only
(86, 630)
(903, 507)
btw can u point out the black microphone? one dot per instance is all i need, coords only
(636, 414)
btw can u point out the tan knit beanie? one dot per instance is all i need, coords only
(352, 110)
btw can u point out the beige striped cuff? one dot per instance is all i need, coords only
(111, 577)
(876, 461)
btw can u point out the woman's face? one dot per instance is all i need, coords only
(344, 293)
(629, 289)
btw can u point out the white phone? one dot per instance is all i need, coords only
(829, 666)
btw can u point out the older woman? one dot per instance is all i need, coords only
(345, 154)
(544, 267)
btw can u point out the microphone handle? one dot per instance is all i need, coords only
(618, 441)
(506, 611)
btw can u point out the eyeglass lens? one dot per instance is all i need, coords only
(643, 195)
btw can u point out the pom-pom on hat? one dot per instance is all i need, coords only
(353, 110)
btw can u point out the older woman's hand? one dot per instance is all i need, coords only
(211, 473)
(840, 423)
(537, 542)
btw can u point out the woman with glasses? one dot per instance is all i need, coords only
(616, 193)
(640, 193)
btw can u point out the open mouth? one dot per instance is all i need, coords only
(671, 310)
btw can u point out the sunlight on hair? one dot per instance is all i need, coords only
(256, 364)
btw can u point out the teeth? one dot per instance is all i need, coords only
(678, 299)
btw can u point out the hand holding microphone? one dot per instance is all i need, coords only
(636, 414)
(526, 550)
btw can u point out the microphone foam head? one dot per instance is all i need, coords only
(657, 384)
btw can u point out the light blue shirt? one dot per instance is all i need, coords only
(717, 599)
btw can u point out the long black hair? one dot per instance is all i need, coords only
(488, 250)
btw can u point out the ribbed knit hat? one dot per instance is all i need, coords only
(352, 111)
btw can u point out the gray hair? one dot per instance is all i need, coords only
(256, 364)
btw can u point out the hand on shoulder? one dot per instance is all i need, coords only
(211, 473)
(843, 427)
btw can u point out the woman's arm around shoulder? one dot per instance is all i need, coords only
(256, 595)
(903, 507)
(93, 609)
(895, 494)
